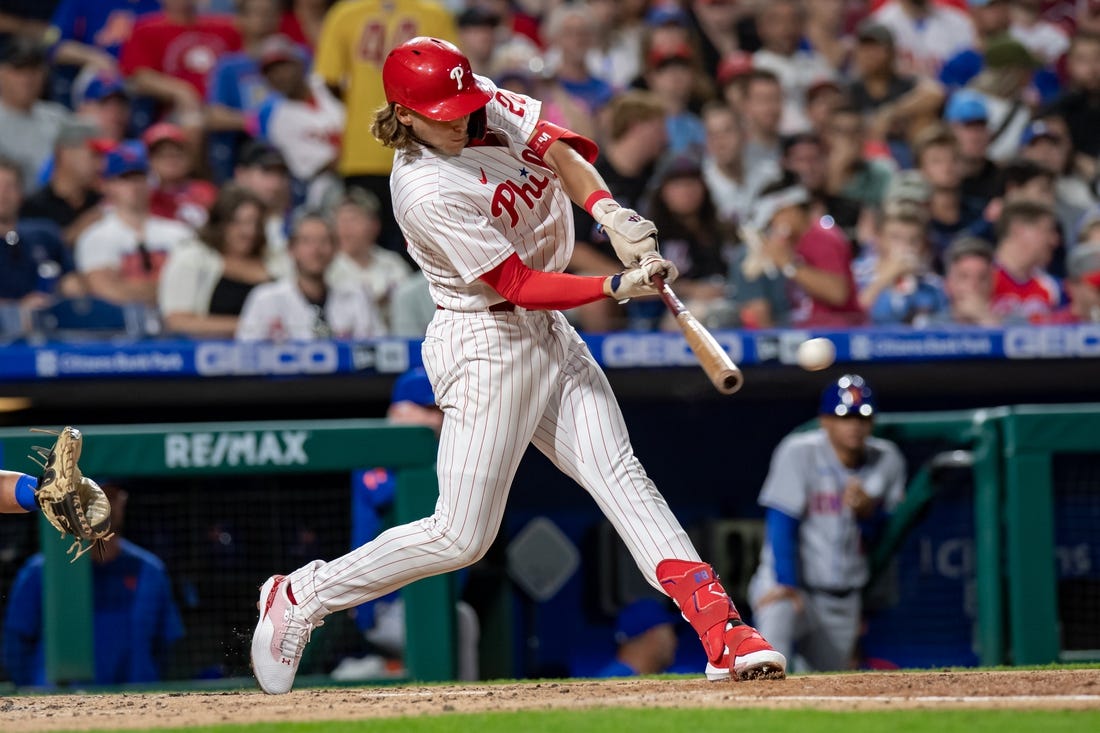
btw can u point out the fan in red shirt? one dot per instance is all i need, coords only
(808, 261)
(1083, 286)
(301, 22)
(170, 54)
(175, 194)
(1022, 289)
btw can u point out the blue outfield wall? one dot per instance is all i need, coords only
(174, 359)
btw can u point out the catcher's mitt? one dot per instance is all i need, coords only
(72, 503)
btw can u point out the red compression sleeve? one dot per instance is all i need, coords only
(547, 132)
(538, 290)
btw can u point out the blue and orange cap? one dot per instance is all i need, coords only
(849, 396)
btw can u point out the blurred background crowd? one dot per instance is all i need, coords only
(204, 168)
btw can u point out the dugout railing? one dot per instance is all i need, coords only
(1036, 479)
(200, 450)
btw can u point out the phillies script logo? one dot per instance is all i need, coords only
(507, 195)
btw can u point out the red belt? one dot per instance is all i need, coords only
(502, 307)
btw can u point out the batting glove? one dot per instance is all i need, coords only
(638, 282)
(653, 264)
(632, 235)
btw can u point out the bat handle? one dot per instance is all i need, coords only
(671, 300)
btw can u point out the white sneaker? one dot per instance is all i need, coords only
(280, 638)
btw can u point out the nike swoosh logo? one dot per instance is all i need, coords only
(484, 179)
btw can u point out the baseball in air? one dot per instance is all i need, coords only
(816, 354)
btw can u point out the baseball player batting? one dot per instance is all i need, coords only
(482, 188)
(826, 487)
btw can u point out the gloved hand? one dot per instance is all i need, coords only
(638, 281)
(653, 264)
(632, 235)
(73, 503)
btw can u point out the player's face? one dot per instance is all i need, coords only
(847, 433)
(448, 137)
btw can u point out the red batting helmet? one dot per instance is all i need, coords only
(433, 78)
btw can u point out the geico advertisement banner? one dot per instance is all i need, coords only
(229, 359)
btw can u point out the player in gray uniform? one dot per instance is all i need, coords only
(824, 490)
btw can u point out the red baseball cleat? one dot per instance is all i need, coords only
(748, 657)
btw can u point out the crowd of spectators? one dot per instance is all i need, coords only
(833, 163)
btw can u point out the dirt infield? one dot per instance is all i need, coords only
(1055, 689)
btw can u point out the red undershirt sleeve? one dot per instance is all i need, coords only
(545, 133)
(538, 290)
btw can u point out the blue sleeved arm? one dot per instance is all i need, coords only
(782, 531)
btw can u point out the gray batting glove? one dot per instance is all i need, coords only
(631, 234)
(638, 282)
(653, 264)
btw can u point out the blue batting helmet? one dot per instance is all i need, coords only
(848, 396)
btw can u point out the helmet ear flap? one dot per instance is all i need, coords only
(478, 124)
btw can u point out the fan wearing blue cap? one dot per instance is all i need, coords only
(646, 639)
(122, 253)
(825, 496)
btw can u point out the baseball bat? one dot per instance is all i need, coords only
(719, 367)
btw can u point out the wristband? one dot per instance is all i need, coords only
(24, 492)
(594, 198)
(616, 279)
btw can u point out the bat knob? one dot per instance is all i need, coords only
(731, 382)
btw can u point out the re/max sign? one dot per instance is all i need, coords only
(210, 450)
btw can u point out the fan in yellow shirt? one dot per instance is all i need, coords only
(355, 39)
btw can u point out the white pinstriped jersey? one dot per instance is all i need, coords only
(504, 380)
(462, 215)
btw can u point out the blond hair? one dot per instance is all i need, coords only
(390, 131)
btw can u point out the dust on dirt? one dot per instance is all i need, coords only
(1044, 689)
